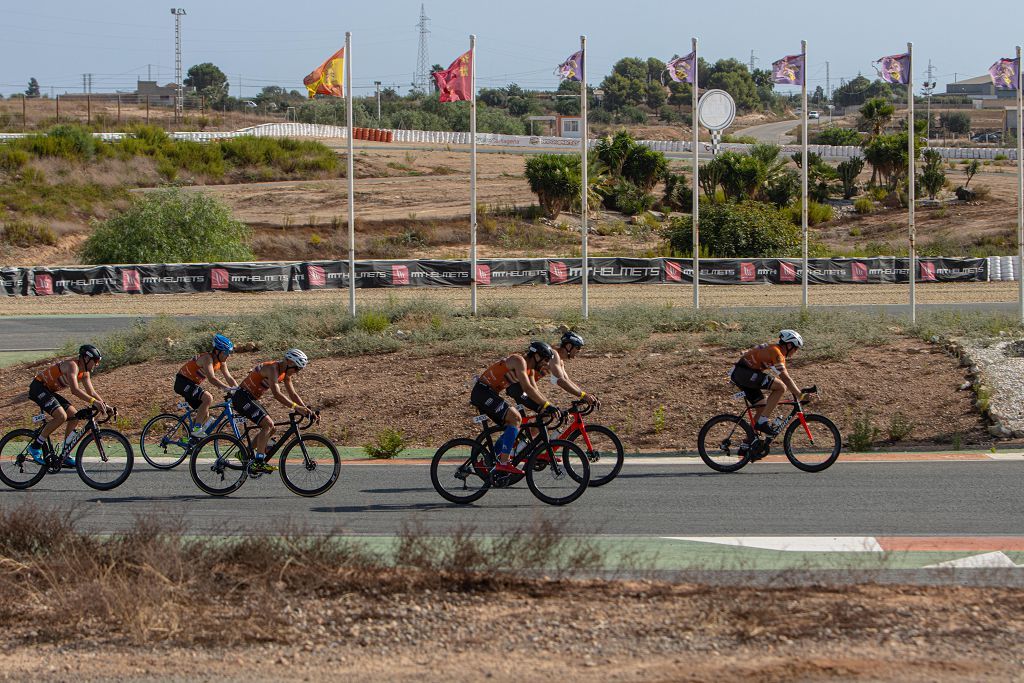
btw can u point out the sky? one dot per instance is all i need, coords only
(258, 43)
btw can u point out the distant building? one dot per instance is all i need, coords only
(569, 126)
(978, 88)
(157, 94)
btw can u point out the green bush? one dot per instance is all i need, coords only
(839, 137)
(678, 193)
(387, 444)
(864, 206)
(644, 167)
(169, 226)
(848, 171)
(65, 141)
(863, 434)
(784, 188)
(933, 178)
(25, 234)
(12, 160)
(373, 322)
(816, 213)
(748, 229)
(630, 199)
(556, 179)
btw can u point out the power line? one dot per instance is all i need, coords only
(422, 75)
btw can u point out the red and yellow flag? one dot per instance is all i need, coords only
(328, 78)
(455, 83)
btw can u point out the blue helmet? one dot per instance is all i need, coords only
(222, 343)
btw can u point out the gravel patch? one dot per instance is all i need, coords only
(997, 369)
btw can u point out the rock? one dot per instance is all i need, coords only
(963, 387)
(913, 351)
(1000, 432)
(656, 214)
(247, 347)
(934, 339)
(402, 334)
(965, 195)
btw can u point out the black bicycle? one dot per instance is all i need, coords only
(811, 442)
(103, 460)
(557, 471)
(309, 463)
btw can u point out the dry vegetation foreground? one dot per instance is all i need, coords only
(151, 605)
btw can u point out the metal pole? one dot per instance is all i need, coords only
(472, 171)
(803, 169)
(696, 179)
(88, 108)
(377, 83)
(24, 113)
(1020, 185)
(350, 174)
(119, 110)
(910, 182)
(584, 228)
(147, 110)
(57, 101)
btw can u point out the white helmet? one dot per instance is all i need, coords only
(297, 357)
(791, 337)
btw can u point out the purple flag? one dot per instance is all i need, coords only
(681, 69)
(572, 68)
(789, 70)
(1004, 74)
(894, 68)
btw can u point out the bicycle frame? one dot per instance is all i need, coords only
(295, 427)
(91, 426)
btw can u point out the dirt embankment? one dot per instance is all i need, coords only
(656, 398)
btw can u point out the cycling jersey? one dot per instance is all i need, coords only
(53, 377)
(496, 376)
(193, 370)
(256, 384)
(765, 357)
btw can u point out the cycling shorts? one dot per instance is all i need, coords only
(48, 401)
(751, 381)
(188, 390)
(489, 403)
(244, 404)
(516, 393)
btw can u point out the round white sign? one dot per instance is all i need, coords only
(716, 110)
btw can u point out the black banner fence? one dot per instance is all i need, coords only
(307, 275)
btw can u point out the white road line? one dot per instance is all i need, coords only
(996, 560)
(825, 544)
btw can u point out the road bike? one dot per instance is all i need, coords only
(309, 463)
(603, 448)
(811, 442)
(103, 458)
(557, 471)
(166, 439)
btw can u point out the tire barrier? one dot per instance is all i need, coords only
(296, 276)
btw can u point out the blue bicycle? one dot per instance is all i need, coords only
(167, 439)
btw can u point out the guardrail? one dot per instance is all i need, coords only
(313, 130)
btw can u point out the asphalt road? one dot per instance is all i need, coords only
(774, 133)
(854, 498)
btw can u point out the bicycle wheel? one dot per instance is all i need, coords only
(814, 448)
(17, 468)
(104, 459)
(311, 466)
(604, 452)
(218, 464)
(558, 472)
(519, 454)
(719, 442)
(165, 440)
(459, 473)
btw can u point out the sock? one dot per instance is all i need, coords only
(209, 423)
(38, 441)
(762, 420)
(508, 438)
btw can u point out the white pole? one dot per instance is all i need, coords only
(910, 182)
(1020, 184)
(350, 174)
(803, 168)
(696, 178)
(584, 228)
(472, 173)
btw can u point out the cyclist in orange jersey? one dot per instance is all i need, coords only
(269, 375)
(764, 367)
(515, 369)
(75, 375)
(201, 367)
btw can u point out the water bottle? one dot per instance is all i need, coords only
(777, 424)
(271, 444)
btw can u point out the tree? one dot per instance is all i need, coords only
(556, 179)
(933, 178)
(956, 122)
(433, 84)
(848, 171)
(626, 85)
(33, 88)
(860, 90)
(733, 76)
(819, 95)
(877, 113)
(887, 155)
(970, 170)
(208, 81)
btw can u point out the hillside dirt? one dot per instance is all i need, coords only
(656, 397)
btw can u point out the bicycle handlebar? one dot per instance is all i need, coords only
(90, 411)
(581, 407)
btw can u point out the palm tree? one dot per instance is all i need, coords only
(877, 113)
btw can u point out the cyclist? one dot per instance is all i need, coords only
(75, 375)
(764, 367)
(518, 369)
(269, 375)
(201, 367)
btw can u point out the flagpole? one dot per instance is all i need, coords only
(696, 177)
(910, 182)
(472, 173)
(1020, 185)
(584, 228)
(803, 166)
(350, 174)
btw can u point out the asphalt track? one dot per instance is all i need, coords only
(907, 498)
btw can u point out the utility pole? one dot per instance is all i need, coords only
(377, 83)
(90, 83)
(179, 97)
(421, 79)
(753, 61)
(828, 82)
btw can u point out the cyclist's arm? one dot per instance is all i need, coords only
(85, 390)
(212, 374)
(518, 367)
(296, 400)
(561, 378)
(232, 382)
(788, 381)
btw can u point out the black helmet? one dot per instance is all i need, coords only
(88, 351)
(540, 348)
(573, 338)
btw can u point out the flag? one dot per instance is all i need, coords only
(894, 68)
(328, 78)
(789, 70)
(455, 84)
(681, 69)
(1004, 74)
(572, 68)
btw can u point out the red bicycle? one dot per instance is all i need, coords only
(811, 442)
(601, 444)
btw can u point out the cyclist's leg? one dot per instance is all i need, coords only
(203, 412)
(489, 403)
(752, 383)
(244, 404)
(193, 395)
(775, 391)
(516, 393)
